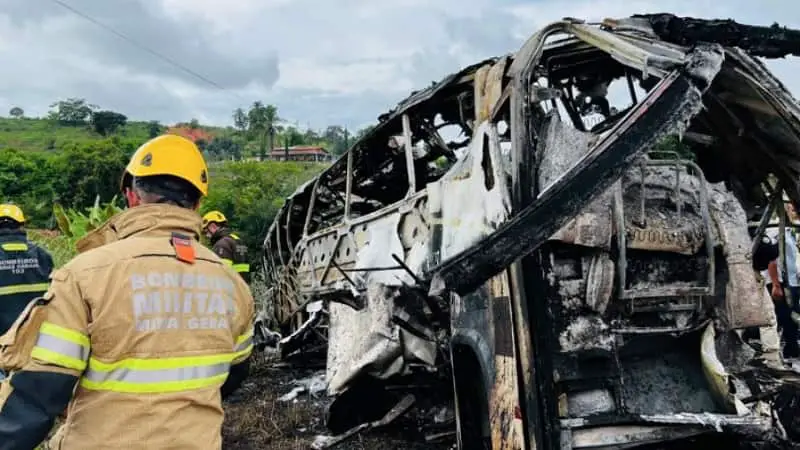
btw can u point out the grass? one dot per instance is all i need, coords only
(256, 420)
(39, 134)
(60, 247)
(33, 134)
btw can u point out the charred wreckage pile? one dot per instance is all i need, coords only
(555, 276)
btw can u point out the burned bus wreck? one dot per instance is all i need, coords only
(571, 279)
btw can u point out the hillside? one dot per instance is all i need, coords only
(36, 134)
(76, 154)
(42, 135)
(253, 131)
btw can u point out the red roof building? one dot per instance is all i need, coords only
(300, 153)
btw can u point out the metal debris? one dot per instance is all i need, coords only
(313, 385)
(554, 276)
(323, 442)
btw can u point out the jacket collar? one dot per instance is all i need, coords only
(146, 220)
(221, 233)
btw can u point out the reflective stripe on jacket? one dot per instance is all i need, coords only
(231, 249)
(24, 273)
(151, 337)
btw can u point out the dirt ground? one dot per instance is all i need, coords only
(255, 419)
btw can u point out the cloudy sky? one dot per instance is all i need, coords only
(320, 61)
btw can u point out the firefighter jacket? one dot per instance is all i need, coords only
(24, 272)
(146, 330)
(228, 246)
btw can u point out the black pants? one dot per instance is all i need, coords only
(788, 327)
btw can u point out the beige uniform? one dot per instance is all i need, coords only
(150, 330)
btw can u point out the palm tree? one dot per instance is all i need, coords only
(263, 121)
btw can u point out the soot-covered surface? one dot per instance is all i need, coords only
(666, 383)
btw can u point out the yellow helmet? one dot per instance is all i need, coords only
(213, 217)
(8, 211)
(169, 154)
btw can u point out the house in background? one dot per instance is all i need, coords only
(300, 153)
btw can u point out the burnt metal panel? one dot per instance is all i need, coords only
(503, 327)
(568, 196)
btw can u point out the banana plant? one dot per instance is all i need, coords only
(75, 224)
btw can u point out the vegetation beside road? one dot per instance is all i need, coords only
(71, 161)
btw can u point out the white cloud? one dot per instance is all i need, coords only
(595, 11)
(319, 61)
(343, 79)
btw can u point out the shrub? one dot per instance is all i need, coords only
(250, 193)
(72, 225)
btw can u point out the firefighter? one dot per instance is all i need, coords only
(148, 327)
(226, 244)
(24, 268)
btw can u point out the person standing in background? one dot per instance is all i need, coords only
(792, 259)
(781, 276)
(24, 268)
(226, 244)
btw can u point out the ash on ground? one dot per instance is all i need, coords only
(283, 407)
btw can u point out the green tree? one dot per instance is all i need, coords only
(90, 170)
(240, 120)
(154, 128)
(311, 136)
(338, 139)
(250, 193)
(16, 112)
(263, 124)
(293, 136)
(107, 122)
(26, 179)
(363, 132)
(72, 111)
(224, 148)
